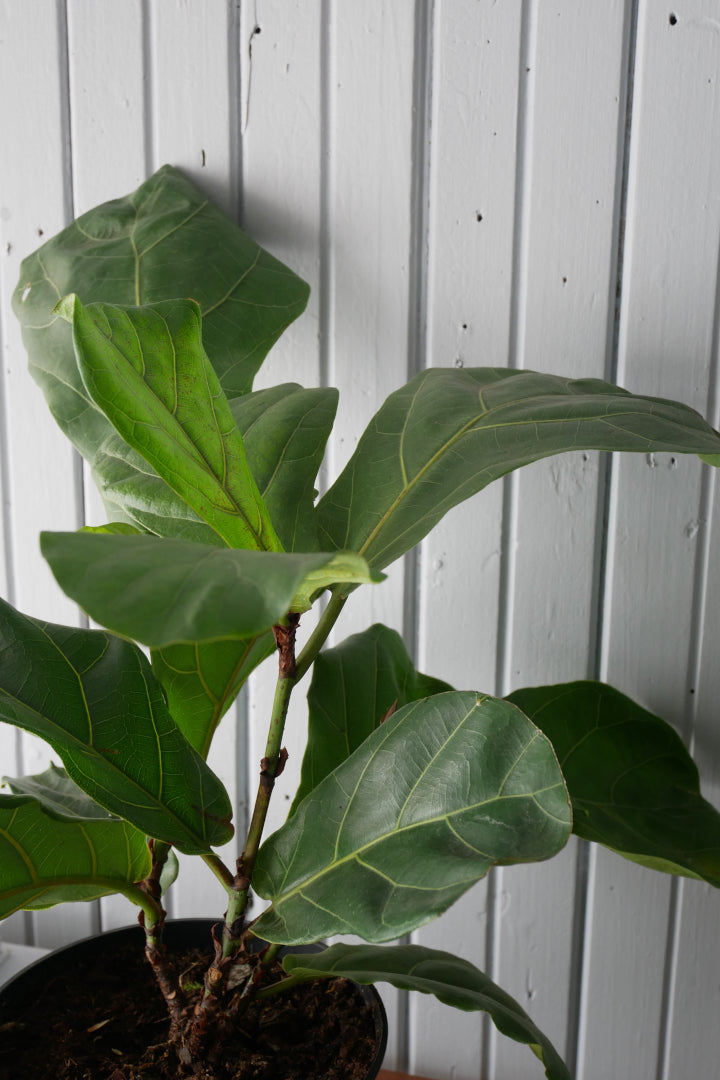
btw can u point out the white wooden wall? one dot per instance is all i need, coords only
(463, 182)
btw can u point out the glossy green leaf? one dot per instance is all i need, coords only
(49, 858)
(633, 785)
(164, 240)
(447, 787)
(450, 432)
(202, 680)
(285, 430)
(163, 592)
(452, 980)
(94, 698)
(146, 369)
(354, 686)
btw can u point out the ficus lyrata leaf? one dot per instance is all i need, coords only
(161, 592)
(444, 789)
(632, 784)
(202, 679)
(49, 858)
(354, 687)
(164, 240)
(284, 430)
(146, 369)
(94, 699)
(429, 971)
(448, 433)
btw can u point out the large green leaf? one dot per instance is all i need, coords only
(163, 592)
(146, 369)
(450, 432)
(284, 430)
(353, 688)
(447, 787)
(201, 681)
(165, 240)
(94, 698)
(49, 857)
(633, 785)
(429, 971)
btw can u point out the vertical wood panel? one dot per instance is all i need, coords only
(369, 161)
(107, 107)
(472, 204)
(192, 67)
(669, 278)
(316, 99)
(42, 469)
(564, 280)
(281, 47)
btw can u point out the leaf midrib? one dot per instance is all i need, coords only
(84, 748)
(409, 485)
(355, 855)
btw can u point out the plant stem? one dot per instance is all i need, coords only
(289, 673)
(219, 869)
(151, 908)
(319, 635)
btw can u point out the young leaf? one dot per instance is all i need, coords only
(449, 433)
(452, 980)
(447, 787)
(354, 686)
(285, 430)
(133, 251)
(633, 785)
(162, 592)
(132, 491)
(94, 698)
(146, 369)
(49, 858)
(202, 680)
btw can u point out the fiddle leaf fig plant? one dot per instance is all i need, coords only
(146, 321)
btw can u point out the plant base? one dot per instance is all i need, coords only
(93, 1012)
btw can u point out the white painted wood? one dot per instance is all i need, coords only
(308, 132)
(281, 63)
(107, 106)
(191, 67)
(41, 467)
(668, 315)
(572, 69)
(472, 204)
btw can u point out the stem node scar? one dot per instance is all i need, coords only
(285, 641)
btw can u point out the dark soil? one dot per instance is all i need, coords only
(111, 1024)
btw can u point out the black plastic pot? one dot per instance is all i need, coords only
(23, 989)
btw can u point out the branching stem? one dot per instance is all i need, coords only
(290, 671)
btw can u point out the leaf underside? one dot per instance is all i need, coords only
(447, 787)
(163, 592)
(448, 433)
(632, 784)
